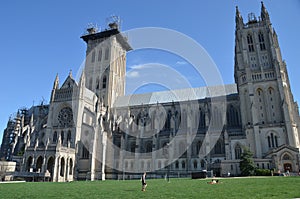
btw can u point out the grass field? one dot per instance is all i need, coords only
(267, 187)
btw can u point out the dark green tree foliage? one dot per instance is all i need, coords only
(247, 165)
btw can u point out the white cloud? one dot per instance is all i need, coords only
(143, 66)
(132, 74)
(181, 63)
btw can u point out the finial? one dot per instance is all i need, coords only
(70, 73)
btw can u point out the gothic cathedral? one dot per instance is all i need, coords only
(91, 131)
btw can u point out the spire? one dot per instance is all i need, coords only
(275, 38)
(56, 82)
(264, 13)
(70, 74)
(55, 87)
(238, 19)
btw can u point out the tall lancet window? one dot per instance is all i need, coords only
(104, 82)
(250, 43)
(261, 41)
(100, 55)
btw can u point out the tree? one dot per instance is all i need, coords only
(247, 165)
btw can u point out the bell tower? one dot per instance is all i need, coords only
(268, 110)
(105, 64)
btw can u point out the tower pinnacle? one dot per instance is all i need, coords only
(238, 19)
(264, 13)
(56, 82)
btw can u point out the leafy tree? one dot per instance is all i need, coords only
(247, 165)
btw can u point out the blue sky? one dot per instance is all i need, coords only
(39, 39)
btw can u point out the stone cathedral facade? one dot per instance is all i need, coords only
(91, 131)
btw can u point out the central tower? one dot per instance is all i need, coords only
(105, 64)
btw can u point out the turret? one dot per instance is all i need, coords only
(55, 87)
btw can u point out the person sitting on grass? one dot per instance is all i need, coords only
(214, 182)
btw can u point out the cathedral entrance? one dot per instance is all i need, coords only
(287, 167)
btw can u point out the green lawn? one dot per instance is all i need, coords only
(268, 187)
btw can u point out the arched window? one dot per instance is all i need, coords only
(132, 147)
(250, 43)
(168, 121)
(286, 157)
(90, 84)
(71, 167)
(69, 136)
(219, 147)
(149, 147)
(202, 163)
(177, 164)
(233, 117)
(93, 57)
(50, 165)
(106, 53)
(104, 81)
(97, 84)
(39, 164)
(29, 163)
(85, 153)
(54, 140)
(202, 119)
(62, 167)
(272, 140)
(183, 164)
(195, 164)
(261, 41)
(238, 151)
(100, 55)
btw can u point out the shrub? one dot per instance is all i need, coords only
(262, 172)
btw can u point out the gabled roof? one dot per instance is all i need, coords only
(281, 148)
(176, 95)
(69, 82)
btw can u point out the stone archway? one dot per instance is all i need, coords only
(50, 166)
(39, 164)
(287, 167)
(287, 162)
(29, 163)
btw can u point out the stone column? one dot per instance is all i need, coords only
(43, 169)
(67, 170)
(104, 144)
(94, 155)
(227, 146)
(56, 169)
